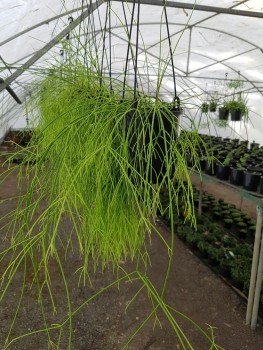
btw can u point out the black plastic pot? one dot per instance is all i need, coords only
(228, 225)
(212, 106)
(235, 141)
(251, 181)
(134, 122)
(261, 185)
(223, 113)
(236, 176)
(210, 169)
(244, 143)
(222, 172)
(242, 234)
(204, 107)
(254, 145)
(235, 115)
(202, 164)
(216, 215)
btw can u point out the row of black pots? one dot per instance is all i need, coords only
(249, 179)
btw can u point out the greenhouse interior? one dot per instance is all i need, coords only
(152, 237)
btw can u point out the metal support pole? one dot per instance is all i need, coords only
(47, 47)
(258, 288)
(254, 269)
(197, 7)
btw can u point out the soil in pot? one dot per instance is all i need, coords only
(236, 176)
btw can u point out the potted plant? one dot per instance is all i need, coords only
(237, 103)
(223, 170)
(238, 109)
(204, 107)
(240, 271)
(237, 174)
(223, 112)
(228, 223)
(251, 180)
(213, 105)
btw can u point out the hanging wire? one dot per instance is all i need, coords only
(110, 46)
(101, 28)
(226, 75)
(104, 42)
(129, 33)
(136, 51)
(94, 36)
(170, 49)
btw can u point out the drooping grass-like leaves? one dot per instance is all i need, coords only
(102, 162)
(95, 167)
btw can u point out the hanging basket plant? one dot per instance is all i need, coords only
(103, 152)
(204, 107)
(238, 109)
(223, 113)
(213, 105)
(237, 102)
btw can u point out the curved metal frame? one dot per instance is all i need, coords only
(157, 3)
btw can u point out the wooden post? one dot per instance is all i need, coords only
(251, 307)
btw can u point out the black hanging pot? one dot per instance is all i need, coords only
(235, 115)
(152, 145)
(212, 106)
(222, 172)
(223, 113)
(236, 176)
(251, 181)
(204, 107)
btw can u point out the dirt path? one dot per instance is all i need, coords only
(106, 324)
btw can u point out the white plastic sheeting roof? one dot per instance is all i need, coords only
(207, 48)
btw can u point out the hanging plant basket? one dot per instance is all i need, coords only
(212, 106)
(159, 131)
(204, 107)
(223, 113)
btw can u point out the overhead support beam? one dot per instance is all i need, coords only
(46, 21)
(4, 84)
(11, 92)
(196, 7)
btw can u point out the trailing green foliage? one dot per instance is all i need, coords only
(93, 157)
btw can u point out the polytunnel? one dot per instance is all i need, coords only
(210, 46)
(131, 109)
